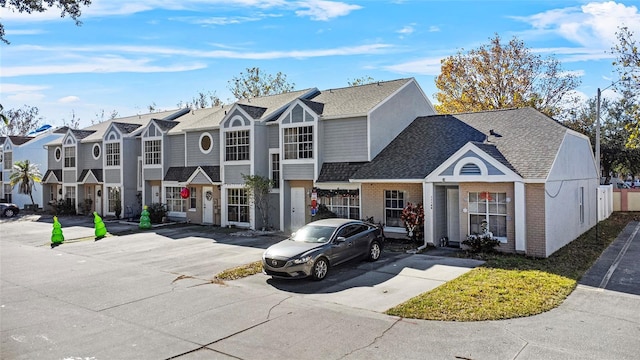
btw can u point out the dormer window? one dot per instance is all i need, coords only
(298, 142)
(237, 145)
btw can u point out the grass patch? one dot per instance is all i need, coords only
(509, 286)
(241, 271)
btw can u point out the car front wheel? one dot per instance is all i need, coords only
(374, 251)
(320, 269)
(9, 212)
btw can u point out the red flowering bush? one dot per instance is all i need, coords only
(413, 218)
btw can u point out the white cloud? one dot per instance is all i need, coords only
(425, 66)
(408, 29)
(26, 97)
(69, 99)
(325, 10)
(16, 88)
(592, 25)
(434, 28)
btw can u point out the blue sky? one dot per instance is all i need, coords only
(128, 55)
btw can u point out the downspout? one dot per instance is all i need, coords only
(427, 201)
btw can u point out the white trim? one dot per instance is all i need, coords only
(458, 159)
(199, 171)
(200, 142)
(59, 150)
(520, 219)
(429, 218)
(271, 153)
(470, 160)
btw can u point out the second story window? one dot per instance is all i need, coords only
(237, 145)
(70, 156)
(113, 154)
(152, 152)
(298, 143)
(275, 170)
(8, 160)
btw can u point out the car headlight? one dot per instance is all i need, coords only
(302, 260)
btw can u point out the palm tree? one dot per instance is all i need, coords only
(26, 175)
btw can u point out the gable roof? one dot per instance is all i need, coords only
(165, 125)
(356, 100)
(19, 140)
(126, 128)
(183, 173)
(528, 142)
(57, 173)
(97, 173)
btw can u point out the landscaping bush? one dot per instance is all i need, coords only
(481, 243)
(157, 211)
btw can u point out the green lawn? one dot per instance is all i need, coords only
(509, 286)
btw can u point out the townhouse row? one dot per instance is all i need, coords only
(363, 151)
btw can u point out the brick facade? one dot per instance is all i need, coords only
(535, 218)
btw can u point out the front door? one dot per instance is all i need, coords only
(453, 216)
(155, 194)
(297, 208)
(89, 204)
(207, 205)
(98, 202)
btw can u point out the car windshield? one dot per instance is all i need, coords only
(314, 234)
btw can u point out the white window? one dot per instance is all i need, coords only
(206, 143)
(275, 170)
(238, 205)
(344, 205)
(8, 160)
(152, 152)
(193, 199)
(96, 151)
(298, 142)
(114, 197)
(175, 202)
(70, 195)
(489, 208)
(112, 154)
(237, 145)
(70, 156)
(57, 153)
(393, 206)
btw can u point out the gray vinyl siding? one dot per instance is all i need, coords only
(297, 171)
(132, 149)
(395, 114)
(233, 173)
(200, 179)
(260, 154)
(69, 176)
(195, 157)
(492, 170)
(273, 137)
(174, 150)
(112, 176)
(344, 140)
(86, 153)
(152, 174)
(51, 161)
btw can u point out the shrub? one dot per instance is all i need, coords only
(413, 219)
(157, 211)
(481, 243)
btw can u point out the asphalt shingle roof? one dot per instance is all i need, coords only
(97, 173)
(183, 173)
(338, 171)
(356, 100)
(254, 111)
(528, 143)
(126, 128)
(165, 125)
(19, 140)
(56, 172)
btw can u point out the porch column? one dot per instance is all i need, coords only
(520, 222)
(427, 201)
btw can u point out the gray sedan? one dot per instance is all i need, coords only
(319, 245)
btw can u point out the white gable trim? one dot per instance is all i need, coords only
(290, 108)
(90, 178)
(229, 118)
(458, 160)
(48, 178)
(195, 173)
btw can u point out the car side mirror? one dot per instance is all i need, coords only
(340, 239)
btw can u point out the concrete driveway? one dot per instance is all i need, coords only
(146, 296)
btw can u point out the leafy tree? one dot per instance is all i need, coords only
(21, 121)
(25, 175)
(258, 189)
(497, 75)
(361, 81)
(67, 7)
(4, 118)
(628, 63)
(253, 84)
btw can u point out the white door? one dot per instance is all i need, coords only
(297, 208)
(98, 204)
(155, 194)
(453, 215)
(207, 205)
